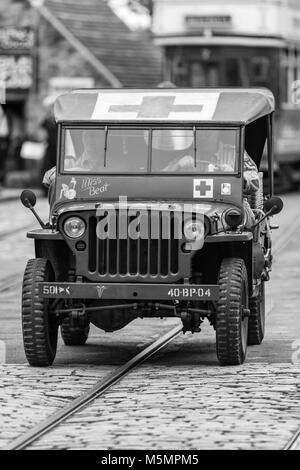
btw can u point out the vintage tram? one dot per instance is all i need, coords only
(232, 43)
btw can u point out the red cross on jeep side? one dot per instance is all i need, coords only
(156, 107)
(203, 188)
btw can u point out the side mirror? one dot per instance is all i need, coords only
(273, 205)
(28, 198)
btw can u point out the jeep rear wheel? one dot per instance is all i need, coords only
(232, 312)
(256, 330)
(73, 334)
(39, 328)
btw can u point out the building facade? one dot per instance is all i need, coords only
(50, 44)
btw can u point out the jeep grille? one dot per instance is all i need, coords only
(157, 258)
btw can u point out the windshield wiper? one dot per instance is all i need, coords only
(105, 145)
(195, 147)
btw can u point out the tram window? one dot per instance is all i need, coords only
(179, 71)
(290, 73)
(197, 75)
(284, 87)
(236, 72)
(204, 74)
(260, 70)
(233, 73)
(213, 75)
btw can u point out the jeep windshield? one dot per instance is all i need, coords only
(155, 150)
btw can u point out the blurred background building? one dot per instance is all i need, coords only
(48, 47)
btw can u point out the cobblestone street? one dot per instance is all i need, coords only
(184, 407)
(149, 228)
(181, 399)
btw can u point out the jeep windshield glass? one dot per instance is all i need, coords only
(111, 150)
(106, 150)
(194, 150)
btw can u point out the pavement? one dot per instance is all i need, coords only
(11, 194)
(181, 399)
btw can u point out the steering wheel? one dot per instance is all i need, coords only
(202, 165)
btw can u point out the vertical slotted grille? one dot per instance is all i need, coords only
(156, 257)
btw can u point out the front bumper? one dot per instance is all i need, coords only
(137, 291)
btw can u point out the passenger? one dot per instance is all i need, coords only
(88, 160)
(93, 146)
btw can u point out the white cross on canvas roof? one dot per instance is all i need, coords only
(169, 105)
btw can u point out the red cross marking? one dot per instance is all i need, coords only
(156, 107)
(202, 188)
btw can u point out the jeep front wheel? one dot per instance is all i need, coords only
(232, 312)
(39, 328)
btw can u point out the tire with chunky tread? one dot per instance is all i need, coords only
(39, 331)
(256, 325)
(231, 325)
(74, 335)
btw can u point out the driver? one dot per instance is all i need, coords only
(250, 174)
(220, 157)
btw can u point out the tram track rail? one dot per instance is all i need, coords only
(293, 441)
(95, 392)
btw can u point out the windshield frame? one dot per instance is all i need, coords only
(150, 126)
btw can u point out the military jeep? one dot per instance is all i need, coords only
(148, 218)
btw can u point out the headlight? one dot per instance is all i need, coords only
(74, 227)
(194, 230)
(233, 217)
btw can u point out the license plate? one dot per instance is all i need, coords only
(190, 292)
